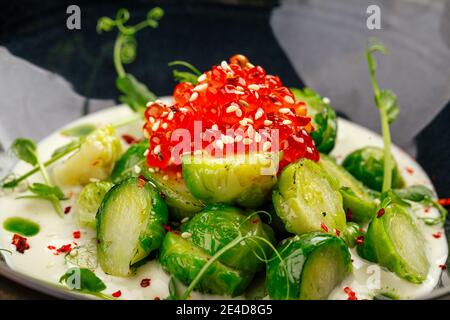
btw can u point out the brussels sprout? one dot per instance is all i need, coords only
(354, 195)
(94, 160)
(311, 266)
(184, 260)
(129, 225)
(367, 165)
(307, 199)
(217, 225)
(351, 233)
(323, 118)
(394, 241)
(89, 201)
(178, 198)
(245, 180)
(205, 235)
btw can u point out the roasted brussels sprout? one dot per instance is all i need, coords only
(210, 231)
(355, 197)
(178, 198)
(245, 180)
(307, 199)
(89, 201)
(94, 160)
(394, 241)
(311, 266)
(367, 165)
(129, 225)
(323, 118)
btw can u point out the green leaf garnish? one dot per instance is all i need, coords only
(173, 294)
(185, 76)
(136, 94)
(25, 150)
(85, 281)
(81, 130)
(51, 193)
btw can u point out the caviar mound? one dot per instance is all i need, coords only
(234, 108)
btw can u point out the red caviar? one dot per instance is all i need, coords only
(240, 107)
(443, 267)
(445, 202)
(21, 243)
(77, 234)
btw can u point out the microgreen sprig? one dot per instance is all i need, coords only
(386, 102)
(26, 150)
(136, 94)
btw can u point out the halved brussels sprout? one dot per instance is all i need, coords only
(210, 231)
(94, 160)
(312, 265)
(323, 118)
(89, 201)
(129, 225)
(184, 260)
(394, 241)
(354, 195)
(367, 165)
(218, 225)
(177, 196)
(245, 180)
(307, 199)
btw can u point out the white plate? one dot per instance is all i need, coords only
(40, 269)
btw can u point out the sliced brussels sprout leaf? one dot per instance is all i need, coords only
(425, 196)
(129, 225)
(355, 197)
(307, 199)
(184, 260)
(89, 201)
(394, 241)
(177, 196)
(245, 180)
(323, 118)
(218, 225)
(312, 265)
(94, 160)
(367, 165)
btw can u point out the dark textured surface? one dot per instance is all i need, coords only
(50, 75)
